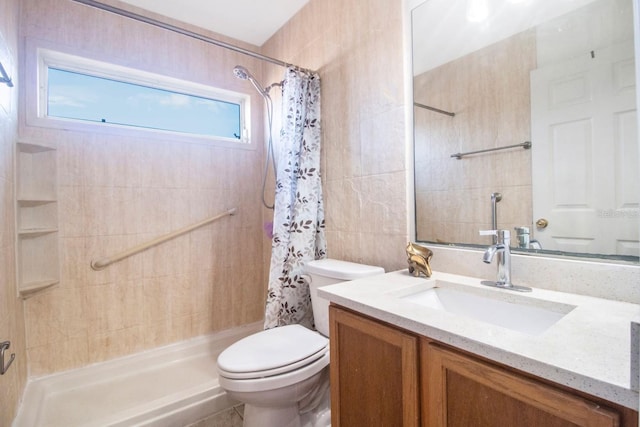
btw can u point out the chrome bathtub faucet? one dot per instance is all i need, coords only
(502, 252)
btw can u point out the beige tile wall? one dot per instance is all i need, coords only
(453, 197)
(117, 191)
(107, 183)
(357, 48)
(11, 313)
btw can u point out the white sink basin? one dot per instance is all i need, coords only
(522, 314)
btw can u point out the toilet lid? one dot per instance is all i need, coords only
(342, 270)
(272, 349)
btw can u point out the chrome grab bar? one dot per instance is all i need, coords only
(101, 263)
(526, 145)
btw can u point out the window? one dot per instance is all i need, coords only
(79, 90)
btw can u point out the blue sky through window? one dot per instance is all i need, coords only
(80, 96)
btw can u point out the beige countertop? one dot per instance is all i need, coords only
(589, 349)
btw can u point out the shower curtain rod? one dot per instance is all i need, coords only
(188, 33)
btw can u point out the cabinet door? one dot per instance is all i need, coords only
(374, 373)
(461, 391)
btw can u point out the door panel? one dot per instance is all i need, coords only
(584, 153)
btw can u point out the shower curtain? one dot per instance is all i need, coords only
(298, 225)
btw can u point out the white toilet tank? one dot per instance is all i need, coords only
(325, 272)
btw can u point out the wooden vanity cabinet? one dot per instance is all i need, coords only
(374, 373)
(382, 375)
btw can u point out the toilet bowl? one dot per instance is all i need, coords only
(282, 374)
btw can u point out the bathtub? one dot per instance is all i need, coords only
(174, 385)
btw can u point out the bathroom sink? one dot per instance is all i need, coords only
(526, 315)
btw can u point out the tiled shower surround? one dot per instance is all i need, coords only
(359, 50)
(116, 191)
(11, 310)
(453, 196)
(119, 190)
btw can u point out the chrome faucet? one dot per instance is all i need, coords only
(524, 240)
(522, 237)
(502, 252)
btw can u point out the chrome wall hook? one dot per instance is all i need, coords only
(5, 346)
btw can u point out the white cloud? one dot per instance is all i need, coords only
(175, 100)
(69, 96)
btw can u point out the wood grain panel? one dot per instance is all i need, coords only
(463, 391)
(373, 373)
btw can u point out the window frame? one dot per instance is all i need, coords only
(48, 58)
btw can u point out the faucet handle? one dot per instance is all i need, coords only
(505, 233)
(502, 236)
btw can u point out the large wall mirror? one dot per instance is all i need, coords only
(527, 109)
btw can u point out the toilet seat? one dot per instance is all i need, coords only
(273, 359)
(297, 377)
(275, 371)
(272, 352)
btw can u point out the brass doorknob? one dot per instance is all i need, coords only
(542, 223)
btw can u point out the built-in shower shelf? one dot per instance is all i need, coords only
(28, 147)
(28, 289)
(35, 232)
(36, 217)
(33, 203)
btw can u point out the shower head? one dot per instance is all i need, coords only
(244, 74)
(241, 72)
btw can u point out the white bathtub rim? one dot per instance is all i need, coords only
(170, 411)
(179, 351)
(41, 389)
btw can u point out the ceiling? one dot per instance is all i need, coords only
(448, 22)
(251, 21)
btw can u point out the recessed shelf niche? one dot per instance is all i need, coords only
(38, 260)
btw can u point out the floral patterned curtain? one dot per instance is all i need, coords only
(298, 225)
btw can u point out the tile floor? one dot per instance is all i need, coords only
(231, 417)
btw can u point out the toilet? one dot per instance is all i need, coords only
(282, 374)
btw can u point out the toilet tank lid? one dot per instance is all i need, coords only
(343, 270)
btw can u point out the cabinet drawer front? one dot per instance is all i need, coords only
(463, 391)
